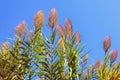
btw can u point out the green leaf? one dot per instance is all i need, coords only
(53, 35)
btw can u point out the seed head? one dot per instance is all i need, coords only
(53, 18)
(60, 31)
(39, 79)
(68, 26)
(30, 35)
(39, 20)
(21, 29)
(85, 59)
(5, 46)
(107, 43)
(114, 55)
(77, 38)
(90, 70)
(98, 64)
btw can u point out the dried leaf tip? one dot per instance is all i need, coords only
(107, 43)
(77, 38)
(53, 18)
(21, 29)
(69, 29)
(39, 20)
(5, 46)
(61, 31)
(114, 55)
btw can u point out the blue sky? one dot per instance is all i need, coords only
(94, 19)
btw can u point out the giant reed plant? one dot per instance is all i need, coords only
(56, 57)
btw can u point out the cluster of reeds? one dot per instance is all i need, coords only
(59, 56)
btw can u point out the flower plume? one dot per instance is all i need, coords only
(68, 26)
(53, 18)
(39, 79)
(61, 31)
(21, 29)
(90, 70)
(85, 59)
(98, 64)
(114, 55)
(77, 38)
(30, 35)
(39, 20)
(5, 46)
(107, 43)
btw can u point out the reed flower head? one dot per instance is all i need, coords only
(90, 70)
(114, 55)
(39, 20)
(53, 18)
(39, 79)
(107, 43)
(21, 29)
(30, 35)
(61, 31)
(61, 43)
(5, 46)
(69, 29)
(77, 38)
(98, 64)
(85, 59)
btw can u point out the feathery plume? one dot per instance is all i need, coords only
(107, 43)
(114, 55)
(5, 46)
(21, 29)
(60, 31)
(53, 18)
(90, 70)
(30, 35)
(39, 20)
(39, 79)
(69, 29)
(77, 38)
(98, 64)
(85, 59)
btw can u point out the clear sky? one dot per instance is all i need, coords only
(94, 19)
